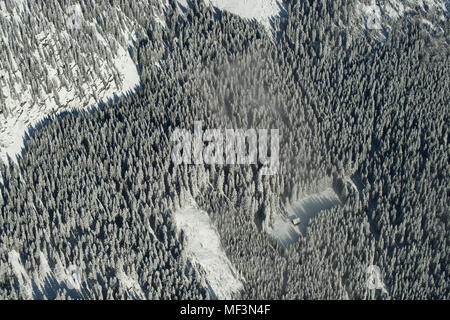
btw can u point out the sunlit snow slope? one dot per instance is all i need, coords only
(56, 58)
(260, 10)
(48, 281)
(380, 14)
(204, 250)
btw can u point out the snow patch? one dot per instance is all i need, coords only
(283, 228)
(261, 10)
(130, 285)
(378, 14)
(44, 282)
(204, 249)
(372, 15)
(21, 274)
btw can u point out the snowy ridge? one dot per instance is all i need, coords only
(46, 282)
(377, 15)
(204, 249)
(21, 275)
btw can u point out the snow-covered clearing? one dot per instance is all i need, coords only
(204, 249)
(284, 230)
(260, 10)
(309, 207)
(372, 16)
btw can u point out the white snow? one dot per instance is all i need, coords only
(260, 10)
(372, 15)
(204, 249)
(21, 274)
(12, 129)
(24, 112)
(376, 14)
(283, 230)
(309, 207)
(130, 284)
(45, 281)
(305, 209)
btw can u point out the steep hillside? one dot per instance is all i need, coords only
(63, 55)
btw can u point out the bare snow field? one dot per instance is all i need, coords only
(204, 249)
(260, 10)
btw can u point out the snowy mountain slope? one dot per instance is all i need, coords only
(260, 10)
(47, 282)
(378, 15)
(63, 57)
(58, 58)
(204, 249)
(21, 275)
(43, 283)
(371, 14)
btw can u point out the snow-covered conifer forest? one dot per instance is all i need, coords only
(93, 207)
